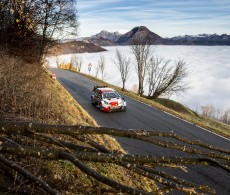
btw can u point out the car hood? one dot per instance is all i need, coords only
(113, 99)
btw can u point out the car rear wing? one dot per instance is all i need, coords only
(95, 87)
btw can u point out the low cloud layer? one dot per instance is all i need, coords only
(208, 66)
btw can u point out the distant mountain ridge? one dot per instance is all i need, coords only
(105, 38)
(141, 33)
(112, 36)
(202, 39)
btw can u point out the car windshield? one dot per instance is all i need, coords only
(111, 95)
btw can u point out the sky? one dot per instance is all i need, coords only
(167, 18)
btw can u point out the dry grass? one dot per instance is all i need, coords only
(75, 114)
(28, 93)
(68, 67)
(66, 107)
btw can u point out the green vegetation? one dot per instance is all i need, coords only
(175, 109)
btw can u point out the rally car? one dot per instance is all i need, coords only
(107, 99)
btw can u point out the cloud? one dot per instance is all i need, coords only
(172, 17)
(209, 78)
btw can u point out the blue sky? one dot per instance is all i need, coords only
(167, 18)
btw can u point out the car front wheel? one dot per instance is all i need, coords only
(92, 100)
(100, 106)
(123, 108)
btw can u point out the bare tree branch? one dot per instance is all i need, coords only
(164, 80)
(141, 49)
(33, 178)
(101, 66)
(99, 177)
(32, 24)
(139, 164)
(53, 154)
(80, 130)
(124, 67)
(76, 61)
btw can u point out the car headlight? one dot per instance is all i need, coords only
(121, 103)
(107, 103)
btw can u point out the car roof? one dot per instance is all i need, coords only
(105, 89)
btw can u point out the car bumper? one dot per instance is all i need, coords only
(112, 108)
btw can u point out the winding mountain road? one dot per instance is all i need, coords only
(142, 116)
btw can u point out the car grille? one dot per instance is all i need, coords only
(114, 103)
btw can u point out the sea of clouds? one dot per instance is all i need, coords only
(208, 66)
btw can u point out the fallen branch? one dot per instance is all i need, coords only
(99, 177)
(37, 133)
(28, 175)
(27, 127)
(53, 154)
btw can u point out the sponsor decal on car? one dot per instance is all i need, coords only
(107, 99)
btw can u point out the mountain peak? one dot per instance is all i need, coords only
(105, 38)
(104, 31)
(143, 28)
(111, 36)
(141, 32)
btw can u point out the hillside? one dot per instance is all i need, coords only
(36, 97)
(74, 47)
(100, 41)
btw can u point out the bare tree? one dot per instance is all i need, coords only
(97, 70)
(76, 61)
(163, 79)
(208, 111)
(134, 88)
(57, 60)
(215, 113)
(56, 18)
(34, 23)
(218, 113)
(124, 67)
(226, 117)
(101, 65)
(141, 48)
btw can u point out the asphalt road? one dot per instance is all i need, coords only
(141, 116)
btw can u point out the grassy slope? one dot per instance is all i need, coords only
(34, 96)
(176, 109)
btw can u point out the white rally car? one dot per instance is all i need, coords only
(107, 99)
